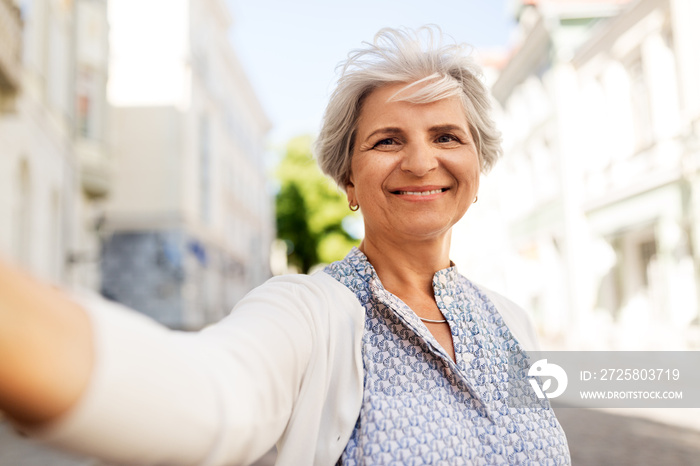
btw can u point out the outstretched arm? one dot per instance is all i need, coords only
(46, 352)
(111, 383)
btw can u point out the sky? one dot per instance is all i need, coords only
(290, 49)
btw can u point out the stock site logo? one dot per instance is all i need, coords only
(544, 369)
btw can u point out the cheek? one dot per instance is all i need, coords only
(367, 178)
(474, 171)
(468, 172)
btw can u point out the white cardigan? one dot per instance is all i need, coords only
(284, 367)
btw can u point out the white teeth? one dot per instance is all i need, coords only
(421, 193)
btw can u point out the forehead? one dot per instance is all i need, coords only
(381, 107)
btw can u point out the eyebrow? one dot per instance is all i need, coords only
(386, 130)
(447, 127)
(433, 129)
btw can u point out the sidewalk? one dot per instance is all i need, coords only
(596, 438)
(20, 451)
(612, 437)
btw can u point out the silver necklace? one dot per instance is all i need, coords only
(433, 321)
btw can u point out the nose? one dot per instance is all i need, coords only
(419, 159)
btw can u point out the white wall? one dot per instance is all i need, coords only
(594, 149)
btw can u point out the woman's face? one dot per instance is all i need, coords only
(415, 168)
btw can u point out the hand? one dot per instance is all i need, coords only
(46, 353)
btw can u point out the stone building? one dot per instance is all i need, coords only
(54, 169)
(599, 183)
(189, 223)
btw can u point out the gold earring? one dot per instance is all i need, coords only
(476, 199)
(354, 208)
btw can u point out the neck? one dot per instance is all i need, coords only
(406, 268)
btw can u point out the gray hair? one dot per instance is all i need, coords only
(399, 56)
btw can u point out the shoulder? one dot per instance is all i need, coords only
(319, 285)
(330, 396)
(515, 317)
(318, 295)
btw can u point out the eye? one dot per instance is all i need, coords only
(446, 138)
(385, 142)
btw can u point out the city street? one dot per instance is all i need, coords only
(600, 438)
(596, 438)
(19, 451)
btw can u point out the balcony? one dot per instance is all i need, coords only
(95, 168)
(10, 48)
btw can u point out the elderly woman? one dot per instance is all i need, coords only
(389, 356)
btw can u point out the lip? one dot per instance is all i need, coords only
(419, 193)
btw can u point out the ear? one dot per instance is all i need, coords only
(350, 191)
(350, 188)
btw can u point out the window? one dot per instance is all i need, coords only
(23, 216)
(204, 169)
(641, 110)
(647, 253)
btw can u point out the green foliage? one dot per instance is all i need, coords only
(310, 210)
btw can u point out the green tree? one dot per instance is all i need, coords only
(310, 210)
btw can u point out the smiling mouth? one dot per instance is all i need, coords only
(421, 193)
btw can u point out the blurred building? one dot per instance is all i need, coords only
(54, 168)
(600, 180)
(189, 221)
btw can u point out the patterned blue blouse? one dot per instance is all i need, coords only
(419, 406)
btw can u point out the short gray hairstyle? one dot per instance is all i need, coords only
(411, 57)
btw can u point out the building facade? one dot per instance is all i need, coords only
(601, 119)
(189, 222)
(54, 167)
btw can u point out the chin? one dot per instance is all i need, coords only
(426, 229)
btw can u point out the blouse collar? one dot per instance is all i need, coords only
(441, 278)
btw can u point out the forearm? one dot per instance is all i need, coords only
(45, 349)
(222, 396)
(152, 396)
